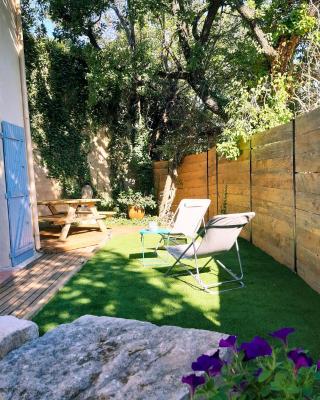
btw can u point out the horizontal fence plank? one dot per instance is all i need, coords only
(185, 167)
(200, 157)
(308, 266)
(278, 211)
(274, 195)
(307, 122)
(281, 228)
(231, 166)
(244, 155)
(277, 134)
(273, 150)
(308, 152)
(273, 180)
(283, 254)
(309, 182)
(308, 202)
(272, 165)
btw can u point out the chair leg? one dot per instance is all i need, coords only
(236, 278)
(172, 266)
(206, 287)
(158, 244)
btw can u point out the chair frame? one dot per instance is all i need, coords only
(173, 237)
(206, 287)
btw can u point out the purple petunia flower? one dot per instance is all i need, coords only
(282, 334)
(318, 365)
(193, 381)
(300, 359)
(258, 347)
(209, 364)
(216, 367)
(229, 342)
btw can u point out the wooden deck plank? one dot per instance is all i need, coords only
(52, 281)
(26, 291)
(41, 299)
(24, 275)
(19, 293)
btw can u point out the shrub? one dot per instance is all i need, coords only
(255, 370)
(131, 198)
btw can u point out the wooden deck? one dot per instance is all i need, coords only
(24, 292)
(83, 240)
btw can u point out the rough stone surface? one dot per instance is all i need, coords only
(14, 333)
(104, 358)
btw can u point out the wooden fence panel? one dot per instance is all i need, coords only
(160, 173)
(272, 193)
(192, 178)
(234, 185)
(308, 198)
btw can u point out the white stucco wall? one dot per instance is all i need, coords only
(11, 108)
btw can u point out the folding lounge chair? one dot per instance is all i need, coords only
(221, 234)
(186, 220)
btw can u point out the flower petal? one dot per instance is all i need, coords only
(258, 347)
(282, 334)
(193, 381)
(205, 362)
(229, 342)
(300, 359)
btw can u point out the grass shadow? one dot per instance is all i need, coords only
(114, 283)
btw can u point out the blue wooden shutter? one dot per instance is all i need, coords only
(19, 206)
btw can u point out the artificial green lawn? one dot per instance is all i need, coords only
(114, 283)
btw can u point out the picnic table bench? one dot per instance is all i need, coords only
(78, 210)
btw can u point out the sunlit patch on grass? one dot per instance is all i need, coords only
(99, 285)
(48, 327)
(83, 300)
(71, 294)
(110, 309)
(81, 280)
(64, 315)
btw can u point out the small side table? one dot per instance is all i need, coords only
(159, 231)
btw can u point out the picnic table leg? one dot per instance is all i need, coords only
(70, 218)
(53, 209)
(94, 212)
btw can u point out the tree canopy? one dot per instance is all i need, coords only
(170, 77)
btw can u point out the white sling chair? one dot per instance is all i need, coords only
(186, 220)
(221, 234)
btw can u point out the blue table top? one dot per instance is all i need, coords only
(158, 231)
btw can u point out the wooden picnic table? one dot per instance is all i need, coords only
(79, 210)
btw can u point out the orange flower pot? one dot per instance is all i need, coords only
(135, 212)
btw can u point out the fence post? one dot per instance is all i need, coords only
(217, 188)
(250, 183)
(208, 215)
(294, 195)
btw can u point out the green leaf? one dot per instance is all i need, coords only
(265, 374)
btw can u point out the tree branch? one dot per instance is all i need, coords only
(126, 26)
(182, 29)
(248, 14)
(195, 23)
(211, 14)
(174, 75)
(92, 38)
